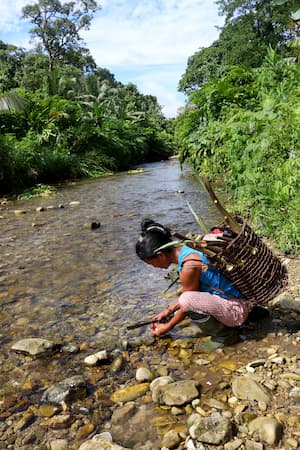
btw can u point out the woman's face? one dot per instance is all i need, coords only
(160, 260)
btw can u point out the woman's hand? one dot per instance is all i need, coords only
(157, 329)
(162, 315)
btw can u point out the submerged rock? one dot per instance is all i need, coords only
(129, 393)
(245, 388)
(214, 430)
(180, 393)
(34, 346)
(67, 390)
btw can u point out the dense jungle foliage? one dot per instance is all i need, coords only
(241, 125)
(64, 117)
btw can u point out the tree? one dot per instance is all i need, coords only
(11, 58)
(251, 27)
(56, 26)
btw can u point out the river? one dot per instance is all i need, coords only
(61, 280)
(80, 287)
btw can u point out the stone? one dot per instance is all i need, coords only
(58, 444)
(34, 346)
(91, 360)
(157, 385)
(74, 203)
(91, 225)
(214, 430)
(27, 419)
(84, 431)
(99, 443)
(143, 374)
(233, 445)
(267, 428)
(179, 393)
(59, 422)
(171, 439)
(245, 388)
(129, 393)
(295, 394)
(133, 425)
(253, 445)
(67, 390)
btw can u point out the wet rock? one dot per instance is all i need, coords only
(47, 410)
(74, 203)
(213, 403)
(139, 427)
(116, 365)
(27, 419)
(58, 444)
(29, 438)
(70, 348)
(212, 430)
(84, 431)
(19, 212)
(67, 390)
(92, 225)
(245, 388)
(129, 393)
(267, 428)
(91, 360)
(171, 439)
(252, 445)
(233, 445)
(102, 441)
(34, 346)
(157, 385)
(295, 394)
(143, 374)
(58, 422)
(179, 393)
(38, 224)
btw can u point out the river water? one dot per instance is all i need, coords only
(61, 280)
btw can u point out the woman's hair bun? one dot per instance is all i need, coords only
(146, 223)
(150, 225)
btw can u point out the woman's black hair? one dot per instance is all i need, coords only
(153, 236)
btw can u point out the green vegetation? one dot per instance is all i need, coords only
(241, 125)
(63, 117)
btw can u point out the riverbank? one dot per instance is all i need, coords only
(172, 393)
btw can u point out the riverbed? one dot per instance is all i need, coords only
(69, 274)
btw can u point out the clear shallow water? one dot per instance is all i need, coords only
(59, 280)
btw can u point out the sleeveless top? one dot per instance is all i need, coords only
(210, 278)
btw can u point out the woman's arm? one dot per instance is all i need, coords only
(190, 280)
(191, 272)
(161, 328)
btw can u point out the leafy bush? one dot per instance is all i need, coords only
(250, 139)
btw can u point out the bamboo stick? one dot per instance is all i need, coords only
(229, 219)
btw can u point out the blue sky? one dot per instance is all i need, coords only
(146, 42)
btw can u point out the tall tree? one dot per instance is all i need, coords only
(251, 27)
(11, 58)
(56, 28)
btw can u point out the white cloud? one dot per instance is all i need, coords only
(131, 35)
(155, 32)
(10, 15)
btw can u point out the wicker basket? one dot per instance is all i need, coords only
(252, 267)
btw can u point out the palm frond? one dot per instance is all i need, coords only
(12, 102)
